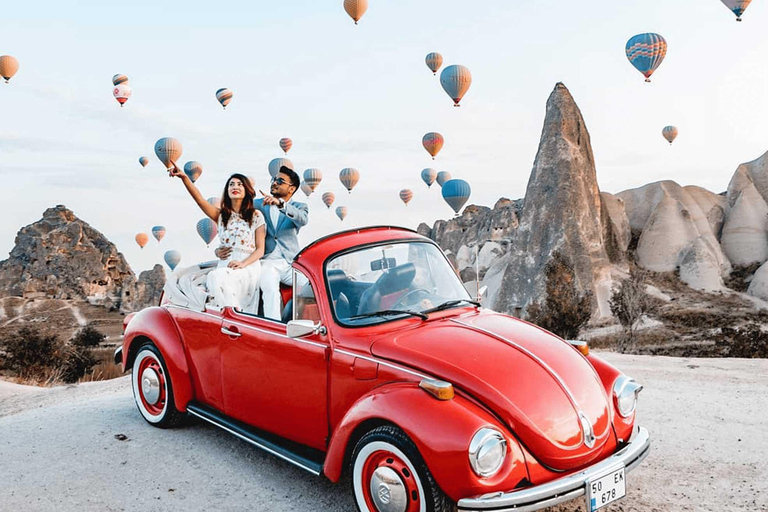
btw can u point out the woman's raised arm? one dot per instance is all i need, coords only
(208, 209)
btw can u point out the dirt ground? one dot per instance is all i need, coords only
(707, 419)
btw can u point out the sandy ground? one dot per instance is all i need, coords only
(708, 419)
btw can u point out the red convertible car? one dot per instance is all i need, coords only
(384, 366)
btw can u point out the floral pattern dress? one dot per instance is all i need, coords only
(238, 288)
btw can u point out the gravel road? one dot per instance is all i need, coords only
(708, 420)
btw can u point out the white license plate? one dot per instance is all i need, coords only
(606, 489)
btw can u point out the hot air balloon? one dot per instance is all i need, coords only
(456, 80)
(122, 92)
(143, 161)
(669, 133)
(456, 193)
(442, 177)
(207, 230)
(168, 150)
(645, 52)
(172, 258)
(434, 60)
(193, 170)
(341, 212)
(224, 96)
(406, 195)
(433, 143)
(328, 199)
(141, 239)
(306, 189)
(286, 144)
(356, 8)
(428, 176)
(215, 201)
(349, 177)
(277, 163)
(158, 232)
(313, 177)
(8, 67)
(119, 79)
(737, 7)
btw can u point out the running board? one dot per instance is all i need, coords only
(306, 458)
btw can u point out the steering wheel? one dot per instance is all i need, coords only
(408, 294)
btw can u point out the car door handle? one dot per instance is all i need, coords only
(230, 333)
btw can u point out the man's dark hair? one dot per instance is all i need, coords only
(295, 180)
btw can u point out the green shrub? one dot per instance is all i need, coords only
(88, 336)
(629, 302)
(29, 352)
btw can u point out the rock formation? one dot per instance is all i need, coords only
(62, 257)
(745, 232)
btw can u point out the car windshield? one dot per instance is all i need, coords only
(388, 282)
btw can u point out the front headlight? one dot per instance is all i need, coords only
(487, 451)
(625, 391)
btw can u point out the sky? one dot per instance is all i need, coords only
(357, 96)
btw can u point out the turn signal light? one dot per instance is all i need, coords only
(581, 346)
(439, 389)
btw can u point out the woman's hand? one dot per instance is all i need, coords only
(236, 264)
(175, 172)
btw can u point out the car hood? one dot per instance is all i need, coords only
(533, 381)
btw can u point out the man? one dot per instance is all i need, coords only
(284, 218)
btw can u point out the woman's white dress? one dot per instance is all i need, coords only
(238, 288)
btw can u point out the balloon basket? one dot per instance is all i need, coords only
(738, 19)
(647, 80)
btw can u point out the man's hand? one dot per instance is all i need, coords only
(270, 200)
(222, 252)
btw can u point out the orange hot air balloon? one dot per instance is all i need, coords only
(286, 144)
(328, 199)
(434, 60)
(356, 8)
(433, 143)
(8, 66)
(142, 239)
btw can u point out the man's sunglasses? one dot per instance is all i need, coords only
(279, 180)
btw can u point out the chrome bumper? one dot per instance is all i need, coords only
(119, 355)
(565, 488)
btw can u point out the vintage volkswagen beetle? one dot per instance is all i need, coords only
(383, 366)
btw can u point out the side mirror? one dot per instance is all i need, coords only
(301, 328)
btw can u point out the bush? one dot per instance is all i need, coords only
(564, 311)
(76, 361)
(88, 336)
(629, 302)
(749, 341)
(29, 352)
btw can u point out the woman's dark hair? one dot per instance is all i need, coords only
(246, 208)
(295, 180)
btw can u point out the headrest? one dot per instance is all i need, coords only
(398, 278)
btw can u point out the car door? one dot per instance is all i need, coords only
(273, 382)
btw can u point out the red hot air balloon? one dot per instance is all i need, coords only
(433, 143)
(286, 144)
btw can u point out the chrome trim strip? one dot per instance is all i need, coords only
(402, 369)
(565, 488)
(259, 445)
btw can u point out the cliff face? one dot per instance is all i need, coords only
(62, 257)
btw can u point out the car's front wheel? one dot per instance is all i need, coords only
(389, 475)
(152, 389)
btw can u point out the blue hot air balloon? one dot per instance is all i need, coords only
(172, 258)
(207, 230)
(737, 7)
(456, 193)
(158, 232)
(645, 52)
(428, 175)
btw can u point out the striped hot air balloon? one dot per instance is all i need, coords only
(456, 80)
(349, 176)
(207, 230)
(158, 232)
(275, 165)
(122, 92)
(306, 189)
(328, 199)
(286, 144)
(433, 143)
(313, 177)
(224, 96)
(428, 175)
(141, 239)
(193, 170)
(8, 67)
(669, 133)
(442, 177)
(456, 193)
(143, 161)
(645, 52)
(168, 150)
(434, 60)
(737, 7)
(406, 195)
(172, 258)
(341, 212)
(356, 8)
(119, 79)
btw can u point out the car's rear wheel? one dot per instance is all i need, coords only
(152, 388)
(389, 475)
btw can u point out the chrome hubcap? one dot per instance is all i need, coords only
(388, 491)
(150, 386)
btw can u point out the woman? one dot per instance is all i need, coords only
(235, 282)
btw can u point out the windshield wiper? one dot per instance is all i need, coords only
(388, 312)
(450, 304)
